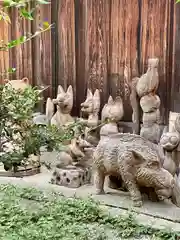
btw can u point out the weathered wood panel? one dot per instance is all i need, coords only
(65, 49)
(175, 89)
(123, 53)
(46, 51)
(100, 44)
(4, 56)
(155, 30)
(20, 56)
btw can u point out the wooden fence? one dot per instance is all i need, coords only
(100, 44)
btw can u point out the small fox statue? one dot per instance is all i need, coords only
(64, 104)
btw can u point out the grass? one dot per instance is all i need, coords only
(26, 214)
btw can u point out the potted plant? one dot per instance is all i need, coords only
(19, 138)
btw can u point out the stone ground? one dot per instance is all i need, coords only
(159, 215)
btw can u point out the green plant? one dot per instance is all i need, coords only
(23, 7)
(17, 132)
(19, 136)
(27, 213)
(56, 138)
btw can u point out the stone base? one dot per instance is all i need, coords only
(71, 176)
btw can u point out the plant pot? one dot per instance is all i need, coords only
(24, 171)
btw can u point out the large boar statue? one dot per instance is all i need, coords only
(136, 162)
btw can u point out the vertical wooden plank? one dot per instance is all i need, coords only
(98, 40)
(4, 55)
(16, 52)
(155, 29)
(36, 48)
(54, 45)
(66, 45)
(175, 89)
(81, 44)
(123, 49)
(45, 46)
(27, 49)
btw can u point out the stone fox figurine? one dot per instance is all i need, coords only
(91, 107)
(112, 112)
(64, 104)
(131, 157)
(71, 154)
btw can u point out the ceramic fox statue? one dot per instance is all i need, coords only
(64, 104)
(91, 107)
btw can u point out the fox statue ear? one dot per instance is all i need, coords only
(89, 93)
(110, 100)
(60, 89)
(70, 97)
(25, 80)
(70, 90)
(96, 101)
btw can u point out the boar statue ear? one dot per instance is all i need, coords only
(154, 165)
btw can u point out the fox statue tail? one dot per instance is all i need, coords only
(135, 106)
(49, 109)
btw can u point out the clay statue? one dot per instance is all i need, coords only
(148, 82)
(146, 87)
(64, 103)
(112, 113)
(169, 141)
(91, 107)
(70, 154)
(22, 84)
(71, 167)
(19, 84)
(131, 157)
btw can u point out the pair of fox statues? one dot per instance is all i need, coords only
(142, 164)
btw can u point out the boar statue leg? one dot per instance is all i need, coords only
(125, 161)
(99, 178)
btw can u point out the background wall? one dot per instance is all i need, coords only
(100, 44)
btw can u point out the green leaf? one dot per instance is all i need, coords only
(16, 42)
(8, 3)
(11, 70)
(26, 14)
